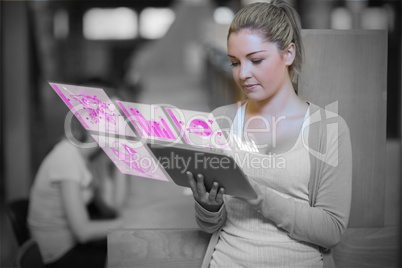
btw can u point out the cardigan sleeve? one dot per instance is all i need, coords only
(208, 221)
(324, 223)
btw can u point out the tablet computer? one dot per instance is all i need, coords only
(211, 163)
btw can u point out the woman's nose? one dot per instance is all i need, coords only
(244, 72)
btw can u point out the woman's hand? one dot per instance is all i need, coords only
(211, 201)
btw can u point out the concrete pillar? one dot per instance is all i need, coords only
(16, 107)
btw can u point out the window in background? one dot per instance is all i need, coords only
(223, 15)
(61, 27)
(341, 19)
(155, 22)
(110, 24)
(375, 18)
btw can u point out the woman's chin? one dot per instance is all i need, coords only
(255, 97)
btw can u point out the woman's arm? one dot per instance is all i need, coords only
(210, 211)
(119, 189)
(111, 193)
(324, 223)
(78, 219)
(208, 221)
(111, 188)
(211, 221)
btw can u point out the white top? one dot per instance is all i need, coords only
(248, 239)
(47, 219)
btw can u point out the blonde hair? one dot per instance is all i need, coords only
(277, 22)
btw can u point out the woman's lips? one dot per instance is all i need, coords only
(249, 87)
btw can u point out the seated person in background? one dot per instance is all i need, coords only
(64, 194)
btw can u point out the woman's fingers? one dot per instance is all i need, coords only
(197, 185)
(219, 196)
(213, 192)
(192, 183)
(200, 184)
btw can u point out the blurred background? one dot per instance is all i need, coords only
(150, 51)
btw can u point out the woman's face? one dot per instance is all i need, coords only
(257, 65)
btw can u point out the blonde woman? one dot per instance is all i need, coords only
(303, 205)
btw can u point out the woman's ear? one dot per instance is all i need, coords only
(289, 54)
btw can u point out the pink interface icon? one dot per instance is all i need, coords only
(132, 157)
(197, 128)
(150, 121)
(93, 108)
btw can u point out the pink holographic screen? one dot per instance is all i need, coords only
(132, 158)
(93, 108)
(150, 121)
(196, 128)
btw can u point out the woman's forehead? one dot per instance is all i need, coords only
(246, 41)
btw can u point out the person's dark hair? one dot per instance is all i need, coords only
(77, 130)
(278, 22)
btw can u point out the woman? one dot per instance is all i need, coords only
(65, 200)
(303, 205)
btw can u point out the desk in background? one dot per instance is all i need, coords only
(157, 248)
(158, 204)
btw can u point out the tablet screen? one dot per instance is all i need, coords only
(213, 165)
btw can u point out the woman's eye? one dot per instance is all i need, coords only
(256, 61)
(233, 64)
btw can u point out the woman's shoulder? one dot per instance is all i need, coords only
(63, 153)
(63, 162)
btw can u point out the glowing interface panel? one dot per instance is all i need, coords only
(93, 108)
(131, 157)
